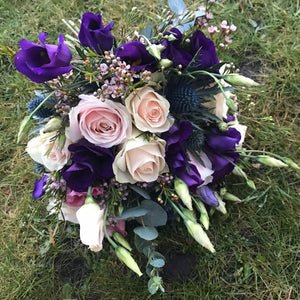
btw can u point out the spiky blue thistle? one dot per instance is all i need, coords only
(47, 109)
(183, 98)
(196, 140)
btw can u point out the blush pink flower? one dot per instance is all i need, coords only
(140, 160)
(77, 199)
(104, 124)
(149, 110)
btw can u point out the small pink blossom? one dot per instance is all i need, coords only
(211, 1)
(232, 28)
(228, 40)
(202, 8)
(213, 29)
(224, 25)
(209, 16)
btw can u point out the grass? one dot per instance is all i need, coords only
(257, 246)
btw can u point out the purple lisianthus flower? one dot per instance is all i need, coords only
(136, 54)
(94, 35)
(38, 189)
(207, 55)
(221, 146)
(176, 157)
(173, 50)
(44, 62)
(89, 163)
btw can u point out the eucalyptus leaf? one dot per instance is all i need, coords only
(177, 6)
(156, 215)
(157, 263)
(146, 232)
(141, 244)
(133, 212)
(152, 286)
(148, 32)
(140, 191)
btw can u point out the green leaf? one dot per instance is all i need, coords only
(157, 263)
(146, 233)
(140, 191)
(156, 215)
(24, 129)
(152, 286)
(177, 6)
(133, 212)
(148, 32)
(61, 139)
(141, 244)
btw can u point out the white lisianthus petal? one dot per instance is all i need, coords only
(91, 219)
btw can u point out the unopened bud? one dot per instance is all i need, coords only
(221, 208)
(125, 256)
(290, 163)
(204, 219)
(197, 232)
(182, 191)
(118, 237)
(189, 214)
(270, 161)
(239, 80)
(52, 125)
(231, 197)
(222, 126)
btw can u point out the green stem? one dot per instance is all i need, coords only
(178, 210)
(41, 104)
(259, 151)
(215, 77)
(105, 231)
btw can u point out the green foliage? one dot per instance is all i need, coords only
(256, 242)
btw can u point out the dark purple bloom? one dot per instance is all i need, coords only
(174, 50)
(38, 189)
(89, 163)
(44, 62)
(200, 44)
(176, 157)
(136, 54)
(94, 35)
(207, 196)
(221, 148)
(207, 55)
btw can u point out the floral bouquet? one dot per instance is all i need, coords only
(141, 130)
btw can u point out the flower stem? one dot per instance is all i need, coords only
(105, 231)
(41, 104)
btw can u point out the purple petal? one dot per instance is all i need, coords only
(207, 196)
(38, 188)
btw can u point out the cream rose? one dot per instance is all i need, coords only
(149, 110)
(104, 124)
(38, 148)
(140, 160)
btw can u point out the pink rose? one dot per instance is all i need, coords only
(149, 110)
(140, 160)
(104, 124)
